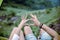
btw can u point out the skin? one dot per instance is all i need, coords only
(28, 31)
(14, 32)
(18, 31)
(50, 31)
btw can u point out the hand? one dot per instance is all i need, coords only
(24, 20)
(35, 20)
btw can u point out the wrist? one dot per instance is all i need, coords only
(40, 26)
(20, 26)
(21, 23)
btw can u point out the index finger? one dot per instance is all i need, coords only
(32, 15)
(24, 17)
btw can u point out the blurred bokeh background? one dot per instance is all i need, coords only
(47, 11)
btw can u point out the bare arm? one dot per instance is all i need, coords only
(50, 31)
(53, 33)
(17, 31)
(21, 37)
(12, 33)
(24, 20)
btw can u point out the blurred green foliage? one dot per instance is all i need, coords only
(46, 16)
(10, 15)
(34, 4)
(2, 38)
(1, 2)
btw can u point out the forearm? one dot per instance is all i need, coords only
(15, 31)
(49, 30)
(12, 33)
(20, 27)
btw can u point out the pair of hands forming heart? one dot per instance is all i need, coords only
(33, 18)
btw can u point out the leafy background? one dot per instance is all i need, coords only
(48, 12)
